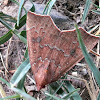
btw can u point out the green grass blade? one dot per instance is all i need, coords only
(21, 74)
(22, 22)
(70, 89)
(45, 9)
(23, 33)
(33, 8)
(10, 97)
(21, 70)
(23, 94)
(6, 24)
(21, 83)
(48, 7)
(86, 9)
(52, 96)
(7, 17)
(23, 39)
(55, 90)
(19, 11)
(16, 2)
(13, 30)
(95, 5)
(26, 53)
(98, 97)
(70, 94)
(6, 37)
(88, 59)
(4, 81)
(96, 11)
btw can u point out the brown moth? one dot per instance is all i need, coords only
(53, 52)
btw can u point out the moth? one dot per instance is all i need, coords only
(53, 52)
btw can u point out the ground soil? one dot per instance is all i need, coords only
(73, 9)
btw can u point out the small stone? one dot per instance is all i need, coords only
(84, 71)
(74, 74)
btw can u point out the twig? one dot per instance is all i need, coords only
(3, 62)
(89, 91)
(7, 53)
(98, 49)
(93, 52)
(93, 90)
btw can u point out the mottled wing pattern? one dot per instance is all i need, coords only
(53, 52)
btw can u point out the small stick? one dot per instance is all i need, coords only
(3, 62)
(93, 52)
(7, 53)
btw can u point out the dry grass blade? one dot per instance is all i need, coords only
(93, 90)
(3, 62)
(7, 53)
(2, 92)
(98, 32)
(94, 28)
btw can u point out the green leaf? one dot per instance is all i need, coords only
(23, 39)
(26, 53)
(21, 83)
(19, 11)
(6, 37)
(20, 72)
(10, 97)
(88, 59)
(96, 11)
(22, 22)
(86, 9)
(23, 33)
(4, 81)
(55, 98)
(65, 98)
(7, 17)
(33, 8)
(48, 7)
(59, 86)
(70, 94)
(95, 5)
(70, 88)
(23, 94)
(98, 97)
(13, 30)
(16, 2)
(6, 24)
